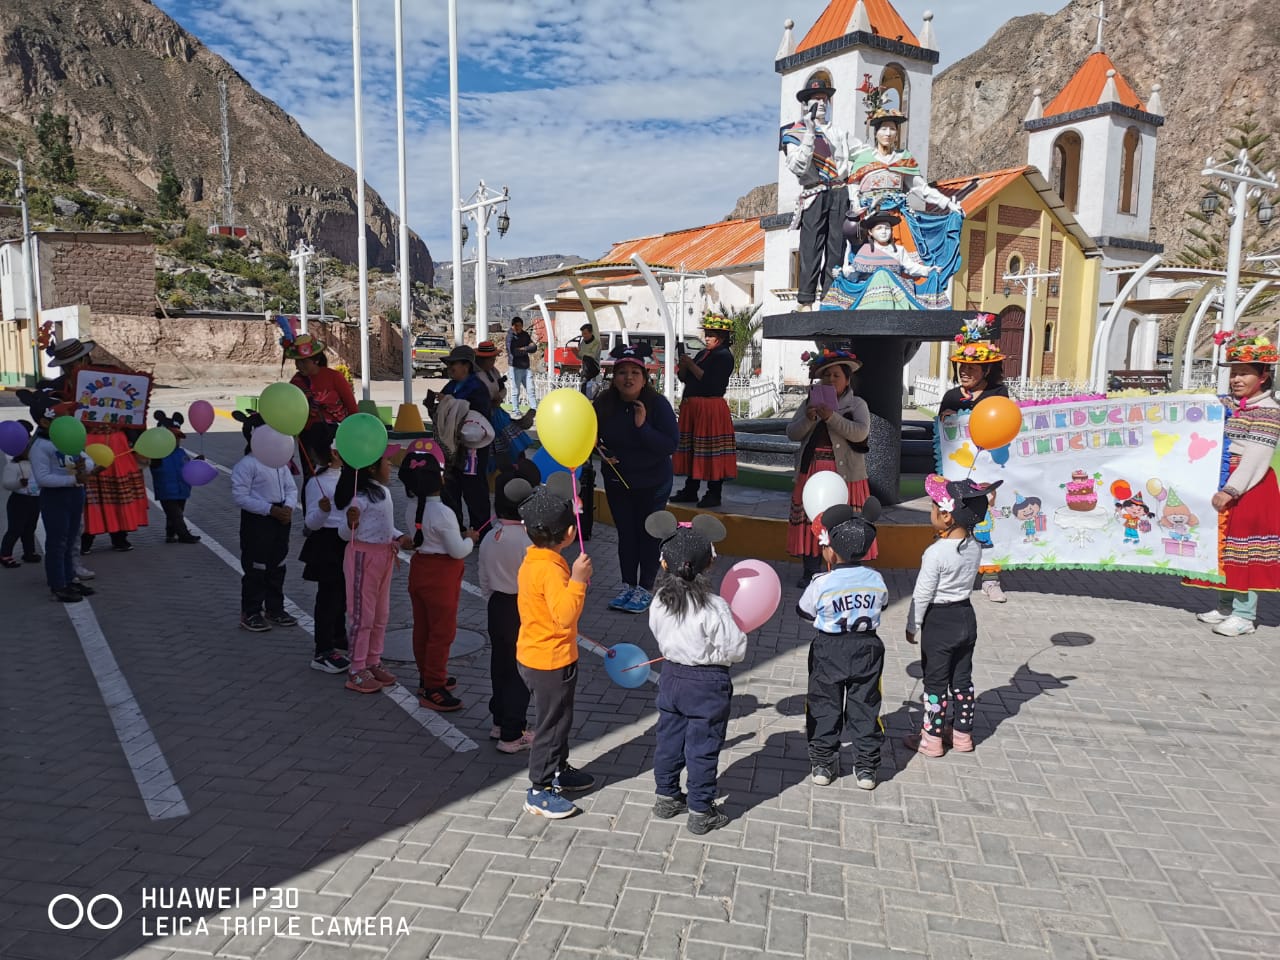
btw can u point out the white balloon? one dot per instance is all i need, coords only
(822, 490)
(271, 447)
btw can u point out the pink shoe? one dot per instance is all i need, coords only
(958, 740)
(382, 675)
(924, 743)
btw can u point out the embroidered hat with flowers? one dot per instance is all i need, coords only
(973, 342)
(819, 360)
(1247, 346)
(302, 347)
(717, 322)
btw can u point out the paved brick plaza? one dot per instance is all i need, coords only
(1122, 802)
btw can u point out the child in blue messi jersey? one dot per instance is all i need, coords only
(846, 657)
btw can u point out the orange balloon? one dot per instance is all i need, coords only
(994, 422)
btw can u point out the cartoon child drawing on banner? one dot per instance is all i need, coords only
(1175, 516)
(1026, 510)
(1131, 511)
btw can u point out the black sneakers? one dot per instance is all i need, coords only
(664, 808)
(67, 595)
(700, 823)
(254, 623)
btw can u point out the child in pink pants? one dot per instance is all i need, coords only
(368, 564)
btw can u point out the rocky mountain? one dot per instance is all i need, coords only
(136, 86)
(1215, 62)
(759, 202)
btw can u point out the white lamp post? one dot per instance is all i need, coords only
(1249, 182)
(479, 207)
(362, 246)
(455, 166)
(29, 266)
(406, 301)
(1027, 278)
(301, 256)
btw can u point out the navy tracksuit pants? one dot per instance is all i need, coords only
(693, 718)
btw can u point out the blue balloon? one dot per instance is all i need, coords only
(1000, 455)
(547, 464)
(13, 438)
(620, 658)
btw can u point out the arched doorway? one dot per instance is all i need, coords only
(1012, 320)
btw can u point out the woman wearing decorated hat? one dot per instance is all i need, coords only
(706, 450)
(976, 366)
(466, 478)
(509, 437)
(115, 498)
(1249, 501)
(330, 395)
(832, 436)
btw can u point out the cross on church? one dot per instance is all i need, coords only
(1102, 19)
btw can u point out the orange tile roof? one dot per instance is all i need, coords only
(834, 23)
(1086, 86)
(730, 243)
(989, 185)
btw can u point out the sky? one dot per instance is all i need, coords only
(607, 120)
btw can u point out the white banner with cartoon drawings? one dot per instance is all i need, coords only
(1120, 484)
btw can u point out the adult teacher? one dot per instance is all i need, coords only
(520, 347)
(329, 395)
(1249, 501)
(706, 449)
(637, 435)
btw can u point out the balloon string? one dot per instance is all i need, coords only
(645, 664)
(614, 468)
(598, 647)
(974, 464)
(577, 510)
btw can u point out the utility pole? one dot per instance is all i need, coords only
(300, 256)
(228, 213)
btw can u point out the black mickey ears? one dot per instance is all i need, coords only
(175, 421)
(663, 525)
(548, 507)
(518, 490)
(687, 550)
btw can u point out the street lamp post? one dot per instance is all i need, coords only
(1249, 181)
(301, 256)
(29, 267)
(480, 207)
(1027, 278)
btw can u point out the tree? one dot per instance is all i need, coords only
(169, 191)
(746, 321)
(53, 134)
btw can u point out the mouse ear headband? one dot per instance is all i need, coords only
(849, 531)
(546, 507)
(687, 548)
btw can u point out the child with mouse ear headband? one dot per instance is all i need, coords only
(699, 638)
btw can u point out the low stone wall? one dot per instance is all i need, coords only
(184, 349)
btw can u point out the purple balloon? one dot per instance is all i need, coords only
(199, 472)
(13, 439)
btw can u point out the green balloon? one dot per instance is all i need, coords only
(67, 434)
(156, 443)
(361, 440)
(285, 408)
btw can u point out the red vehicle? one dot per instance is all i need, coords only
(568, 361)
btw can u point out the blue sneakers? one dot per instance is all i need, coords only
(572, 780)
(638, 602)
(549, 804)
(622, 599)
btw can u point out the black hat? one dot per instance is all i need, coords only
(249, 422)
(69, 351)
(505, 506)
(630, 353)
(849, 531)
(461, 352)
(965, 500)
(687, 549)
(816, 88)
(170, 422)
(880, 216)
(43, 404)
(546, 508)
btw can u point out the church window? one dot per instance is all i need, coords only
(897, 93)
(1065, 172)
(1130, 161)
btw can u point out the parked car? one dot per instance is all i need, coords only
(429, 351)
(568, 361)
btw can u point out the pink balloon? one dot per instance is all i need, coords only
(752, 590)
(200, 416)
(272, 448)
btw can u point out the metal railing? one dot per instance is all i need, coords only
(753, 397)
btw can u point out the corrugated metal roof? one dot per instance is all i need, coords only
(730, 243)
(834, 23)
(1086, 86)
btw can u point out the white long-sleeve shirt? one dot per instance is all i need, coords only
(48, 466)
(700, 638)
(377, 523)
(256, 488)
(319, 487)
(501, 554)
(947, 571)
(439, 529)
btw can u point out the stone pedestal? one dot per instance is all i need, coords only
(883, 340)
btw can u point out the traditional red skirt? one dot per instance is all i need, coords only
(115, 498)
(1249, 541)
(706, 450)
(801, 540)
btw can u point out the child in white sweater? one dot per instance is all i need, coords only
(940, 607)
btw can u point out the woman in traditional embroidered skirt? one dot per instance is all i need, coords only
(1248, 502)
(830, 439)
(706, 450)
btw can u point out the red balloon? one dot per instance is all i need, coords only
(995, 422)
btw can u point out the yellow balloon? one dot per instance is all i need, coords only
(566, 424)
(100, 454)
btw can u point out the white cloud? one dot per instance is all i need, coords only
(607, 120)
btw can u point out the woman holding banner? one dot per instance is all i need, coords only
(1248, 501)
(115, 498)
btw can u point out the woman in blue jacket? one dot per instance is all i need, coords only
(638, 434)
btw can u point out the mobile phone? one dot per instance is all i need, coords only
(679, 348)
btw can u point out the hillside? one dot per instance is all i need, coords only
(135, 86)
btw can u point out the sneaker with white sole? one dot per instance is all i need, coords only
(638, 602)
(1235, 626)
(992, 590)
(83, 572)
(1212, 616)
(622, 599)
(548, 803)
(331, 662)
